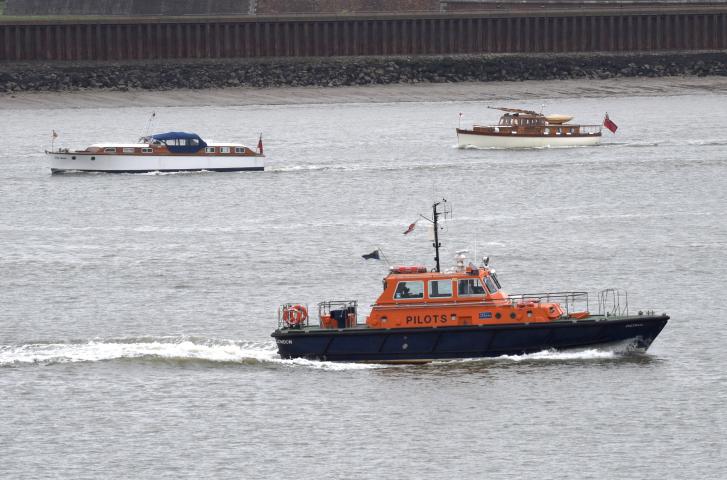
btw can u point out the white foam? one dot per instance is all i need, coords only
(551, 355)
(172, 348)
(590, 354)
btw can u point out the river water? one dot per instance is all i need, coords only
(136, 309)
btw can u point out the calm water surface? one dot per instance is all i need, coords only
(136, 309)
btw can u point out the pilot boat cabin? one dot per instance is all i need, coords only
(468, 296)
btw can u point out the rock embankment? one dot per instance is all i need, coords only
(332, 72)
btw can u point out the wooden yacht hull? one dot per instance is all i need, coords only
(412, 345)
(478, 140)
(75, 162)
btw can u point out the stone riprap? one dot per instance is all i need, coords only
(334, 72)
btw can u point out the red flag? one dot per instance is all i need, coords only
(260, 144)
(410, 228)
(609, 124)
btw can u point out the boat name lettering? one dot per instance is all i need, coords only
(634, 325)
(485, 314)
(284, 341)
(425, 319)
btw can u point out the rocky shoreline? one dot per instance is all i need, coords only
(347, 71)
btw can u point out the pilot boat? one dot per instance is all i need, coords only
(527, 129)
(424, 315)
(163, 152)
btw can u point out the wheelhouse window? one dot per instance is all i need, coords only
(470, 287)
(440, 288)
(494, 278)
(406, 290)
(210, 149)
(491, 287)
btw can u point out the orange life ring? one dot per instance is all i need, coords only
(295, 314)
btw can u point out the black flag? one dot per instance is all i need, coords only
(374, 255)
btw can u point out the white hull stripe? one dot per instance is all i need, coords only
(515, 141)
(137, 163)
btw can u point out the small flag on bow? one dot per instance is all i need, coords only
(372, 256)
(411, 227)
(608, 123)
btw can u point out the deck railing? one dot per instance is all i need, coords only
(343, 311)
(613, 301)
(282, 323)
(570, 301)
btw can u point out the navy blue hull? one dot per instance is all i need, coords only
(422, 344)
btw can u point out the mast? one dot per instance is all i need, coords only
(436, 244)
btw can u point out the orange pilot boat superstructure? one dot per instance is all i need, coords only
(467, 296)
(424, 315)
(163, 152)
(528, 129)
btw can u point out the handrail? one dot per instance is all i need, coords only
(567, 300)
(348, 307)
(283, 324)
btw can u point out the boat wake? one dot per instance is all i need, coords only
(169, 349)
(615, 351)
(189, 349)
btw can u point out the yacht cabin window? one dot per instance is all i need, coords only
(440, 288)
(239, 150)
(409, 290)
(224, 149)
(470, 287)
(210, 149)
(109, 150)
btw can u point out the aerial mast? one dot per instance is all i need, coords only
(436, 244)
(435, 220)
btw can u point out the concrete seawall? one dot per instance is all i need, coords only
(350, 71)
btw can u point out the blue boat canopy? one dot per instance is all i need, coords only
(180, 142)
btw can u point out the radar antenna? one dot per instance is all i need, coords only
(445, 212)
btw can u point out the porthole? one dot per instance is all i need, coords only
(498, 315)
(93, 158)
(512, 315)
(73, 158)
